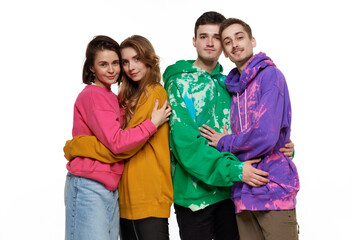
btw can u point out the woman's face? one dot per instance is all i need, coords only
(106, 68)
(134, 68)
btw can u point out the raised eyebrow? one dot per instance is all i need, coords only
(226, 38)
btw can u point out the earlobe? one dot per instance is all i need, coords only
(92, 69)
(254, 42)
(194, 42)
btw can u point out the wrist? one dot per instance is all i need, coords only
(156, 123)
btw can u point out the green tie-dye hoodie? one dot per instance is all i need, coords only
(201, 174)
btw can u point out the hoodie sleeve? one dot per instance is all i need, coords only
(193, 152)
(105, 124)
(90, 146)
(142, 113)
(269, 121)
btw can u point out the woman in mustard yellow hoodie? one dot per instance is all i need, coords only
(145, 189)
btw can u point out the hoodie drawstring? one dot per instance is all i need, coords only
(245, 109)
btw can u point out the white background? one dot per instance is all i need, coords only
(42, 46)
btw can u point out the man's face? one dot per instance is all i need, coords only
(237, 45)
(208, 43)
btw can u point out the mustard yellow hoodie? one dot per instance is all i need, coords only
(145, 188)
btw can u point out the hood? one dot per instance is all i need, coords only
(237, 83)
(185, 66)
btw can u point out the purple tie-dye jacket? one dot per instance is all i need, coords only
(260, 122)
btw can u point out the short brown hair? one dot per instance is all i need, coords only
(208, 18)
(228, 22)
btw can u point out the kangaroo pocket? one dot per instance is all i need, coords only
(283, 175)
(241, 188)
(283, 178)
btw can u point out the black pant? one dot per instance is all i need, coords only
(144, 229)
(217, 221)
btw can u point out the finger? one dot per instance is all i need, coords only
(225, 129)
(253, 184)
(207, 137)
(261, 173)
(165, 105)
(259, 181)
(208, 128)
(156, 104)
(204, 135)
(289, 144)
(288, 154)
(283, 150)
(254, 161)
(256, 184)
(204, 130)
(262, 180)
(168, 109)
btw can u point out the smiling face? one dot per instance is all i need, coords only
(237, 45)
(106, 68)
(208, 43)
(134, 68)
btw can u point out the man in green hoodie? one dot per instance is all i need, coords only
(203, 176)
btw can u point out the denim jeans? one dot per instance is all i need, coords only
(92, 211)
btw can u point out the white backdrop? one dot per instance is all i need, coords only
(42, 47)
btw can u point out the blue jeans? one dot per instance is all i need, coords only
(92, 211)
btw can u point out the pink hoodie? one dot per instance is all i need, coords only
(97, 113)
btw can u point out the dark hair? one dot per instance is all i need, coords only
(99, 43)
(208, 18)
(228, 22)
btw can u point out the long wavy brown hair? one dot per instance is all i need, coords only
(130, 91)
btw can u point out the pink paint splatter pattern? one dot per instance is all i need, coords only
(260, 122)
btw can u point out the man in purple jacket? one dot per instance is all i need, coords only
(260, 122)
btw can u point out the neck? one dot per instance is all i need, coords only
(240, 68)
(241, 65)
(208, 66)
